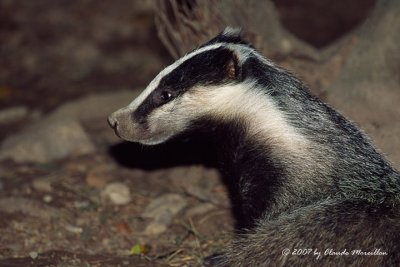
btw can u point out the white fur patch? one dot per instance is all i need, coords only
(264, 119)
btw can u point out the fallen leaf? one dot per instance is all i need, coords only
(140, 249)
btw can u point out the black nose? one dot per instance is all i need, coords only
(112, 122)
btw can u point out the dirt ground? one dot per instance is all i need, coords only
(57, 210)
(62, 212)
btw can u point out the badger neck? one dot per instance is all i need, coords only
(268, 164)
(275, 163)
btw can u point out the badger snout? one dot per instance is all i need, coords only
(128, 128)
(121, 122)
(112, 121)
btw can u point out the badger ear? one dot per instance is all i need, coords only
(232, 35)
(229, 36)
(233, 68)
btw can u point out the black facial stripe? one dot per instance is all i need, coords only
(141, 113)
(207, 68)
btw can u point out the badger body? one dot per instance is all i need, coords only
(303, 177)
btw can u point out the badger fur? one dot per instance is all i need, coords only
(309, 183)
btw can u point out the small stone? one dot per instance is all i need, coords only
(105, 242)
(47, 198)
(155, 228)
(81, 204)
(33, 255)
(118, 193)
(42, 185)
(73, 229)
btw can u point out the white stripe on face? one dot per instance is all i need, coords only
(155, 82)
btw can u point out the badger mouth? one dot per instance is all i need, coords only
(117, 133)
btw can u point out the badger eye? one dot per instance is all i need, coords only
(166, 95)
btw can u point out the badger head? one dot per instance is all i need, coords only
(184, 92)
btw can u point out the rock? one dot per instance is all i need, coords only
(45, 142)
(171, 203)
(163, 209)
(60, 134)
(47, 198)
(93, 107)
(118, 193)
(13, 114)
(96, 108)
(197, 181)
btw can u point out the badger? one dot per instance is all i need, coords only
(311, 187)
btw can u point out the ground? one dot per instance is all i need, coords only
(117, 204)
(58, 213)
